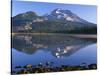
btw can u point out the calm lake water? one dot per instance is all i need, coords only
(58, 49)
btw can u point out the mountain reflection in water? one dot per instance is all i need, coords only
(59, 45)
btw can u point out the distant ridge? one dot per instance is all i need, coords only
(58, 21)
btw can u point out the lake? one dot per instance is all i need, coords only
(57, 49)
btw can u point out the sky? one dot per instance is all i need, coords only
(87, 12)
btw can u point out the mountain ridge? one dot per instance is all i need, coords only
(57, 21)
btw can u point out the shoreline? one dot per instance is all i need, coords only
(93, 36)
(42, 68)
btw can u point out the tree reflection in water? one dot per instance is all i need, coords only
(59, 45)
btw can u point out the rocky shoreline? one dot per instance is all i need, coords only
(44, 68)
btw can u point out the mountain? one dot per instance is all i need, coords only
(59, 45)
(22, 18)
(67, 15)
(58, 21)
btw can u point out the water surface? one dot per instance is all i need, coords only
(58, 49)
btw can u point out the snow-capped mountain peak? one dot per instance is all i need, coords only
(57, 11)
(66, 15)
